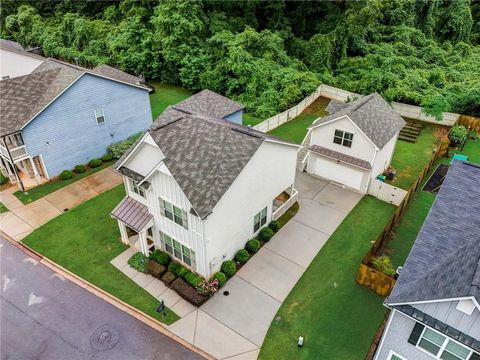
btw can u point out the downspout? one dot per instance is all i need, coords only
(13, 165)
(373, 165)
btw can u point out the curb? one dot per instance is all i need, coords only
(102, 294)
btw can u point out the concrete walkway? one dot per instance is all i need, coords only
(234, 326)
(22, 219)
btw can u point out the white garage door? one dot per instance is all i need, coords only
(338, 172)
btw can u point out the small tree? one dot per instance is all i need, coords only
(457, 135)
(384, 264)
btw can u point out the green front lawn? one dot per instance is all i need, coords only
(85, 240)
(337, 317)
(53, 185)
(3, 208)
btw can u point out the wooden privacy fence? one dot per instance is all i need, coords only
(470, 122)
(369, 277)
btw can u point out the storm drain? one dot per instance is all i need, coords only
(104, 338)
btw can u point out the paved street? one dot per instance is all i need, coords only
(44, 316)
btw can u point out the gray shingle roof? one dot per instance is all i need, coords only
(113, 73)
(11, 45)
(132, 213)
(444, 262)
(25, 96)
(209, 103)
(372, 114)
(341, 157)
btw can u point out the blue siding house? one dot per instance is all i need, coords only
(63, 115)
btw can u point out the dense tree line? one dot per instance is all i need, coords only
(270, 54)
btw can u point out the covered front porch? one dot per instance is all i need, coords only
(26, 172)
(284, 201)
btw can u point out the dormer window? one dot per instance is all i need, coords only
(99, 116)
(343, 138)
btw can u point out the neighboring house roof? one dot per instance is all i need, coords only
(25, 96)
(11, 45)
(372, 114)
(444, 262)
(335, 155)
(132, 213)
(204, 154)
(113, 73)
(209, 103)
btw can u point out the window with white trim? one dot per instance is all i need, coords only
(343, 138)
(442, 347)
(259, 220)
(137, 189)
(174, 213)
(99, 116)
(178, 251)
(394, 356)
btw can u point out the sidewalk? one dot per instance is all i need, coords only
(22, 219)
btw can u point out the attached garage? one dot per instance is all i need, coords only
(339, 168)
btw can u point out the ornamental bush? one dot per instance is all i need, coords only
(173, 266)
(242, 256)
(265, 234)
(80, 169)
(457, 135)
(118, 149)
(193, 279)
(274, 225)
(383, 264)
(220, 277)
(138, 262)
(107, 157)
(95, 163)
(65, 175)
(3, 179)
(168, 278)
(229, 268)
(155, 269)
(181, 271)
(252, 246)
(161, 257)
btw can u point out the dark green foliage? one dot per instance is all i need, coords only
(95, 163)
(155, 269)
(160, 256)
(107, 157)
(242, 256)
(119, 148)
(80, 169)
(181, 271)
(221, 278)
(265, 234)
(383, 264)
(252, 246)
(138, 261)
(173, 266)
(3, 179)
(168, 278)
(274, 225)
(65, 175)
(192, 279)
(229, 268)
(457, 135)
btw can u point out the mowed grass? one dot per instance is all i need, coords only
(337, 317)
(3, 208)
(26, 197)
(85, 240)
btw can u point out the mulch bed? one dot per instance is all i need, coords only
(436, 180)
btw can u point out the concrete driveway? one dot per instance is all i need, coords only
(256, 292)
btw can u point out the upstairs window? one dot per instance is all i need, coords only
(343, 138)
(174, 213)
(99, 116)
(259, 220)
(137, 189)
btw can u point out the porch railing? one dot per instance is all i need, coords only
(17, 152)
(286, 205)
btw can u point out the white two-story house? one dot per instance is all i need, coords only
(199, 186)
(355, 143)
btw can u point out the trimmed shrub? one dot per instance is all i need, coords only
(274, 225)
(3, 179)
(229, 268)
(242, 256)
(383, 264)
(95, 163)
(155, 269)
(65, 175)
(107, 157)
(161, 257)
(220, 277)
(173, 266)
(265, 234)
(252, 246)
(80, 169)
(119, 148)
(193, 279)
(208, 288)
(457, 135)
(181, 271)
(187, 292)
(168, 278)
(138, 261)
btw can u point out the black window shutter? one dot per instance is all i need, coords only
(416, 332)
(474, 356)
